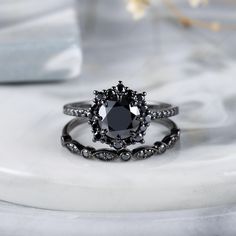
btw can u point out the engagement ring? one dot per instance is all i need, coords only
(120, 117)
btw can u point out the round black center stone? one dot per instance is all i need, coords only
(119, 118)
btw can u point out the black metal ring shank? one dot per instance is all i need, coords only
(142, 152)
(157, 109)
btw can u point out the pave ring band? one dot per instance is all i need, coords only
(105, 154)
(120, 116)
(157, 110)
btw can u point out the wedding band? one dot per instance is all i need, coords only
(105, 154)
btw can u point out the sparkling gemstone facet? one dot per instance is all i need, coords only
(119, 118)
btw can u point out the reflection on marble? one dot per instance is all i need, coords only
(39, 41)
(167, 61)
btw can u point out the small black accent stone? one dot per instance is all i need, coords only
(111, 94)
(120, 87)
(65, 139)
(97, 136)
(140, 97)
(100, 95)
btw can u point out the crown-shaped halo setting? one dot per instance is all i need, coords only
(119, 116)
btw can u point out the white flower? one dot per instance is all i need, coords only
(138, 8)
(197, 3)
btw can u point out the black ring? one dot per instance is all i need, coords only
(157, 110)
(142, 152)
(120, 116)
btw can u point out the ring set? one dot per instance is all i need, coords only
(119, 117)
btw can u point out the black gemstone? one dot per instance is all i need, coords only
(111, 94)
(120, 87)
(100, 95)
(130, 93)
(119, 117)
(97, 136)
(140, 97)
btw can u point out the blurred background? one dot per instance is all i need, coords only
(57, 51)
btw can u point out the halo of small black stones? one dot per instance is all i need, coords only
(136, 99)
(140, 153)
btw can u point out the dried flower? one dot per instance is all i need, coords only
(138, 8)
(197, 3)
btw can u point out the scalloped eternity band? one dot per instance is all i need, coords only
(119, 117)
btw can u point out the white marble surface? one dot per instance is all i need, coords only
(21, 221)
(39, 41)
(194, 69)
